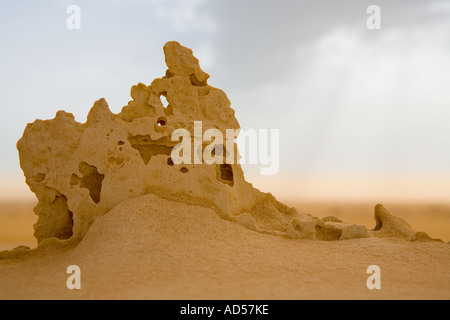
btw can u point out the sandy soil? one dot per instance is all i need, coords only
(17, 218)
(150, 248)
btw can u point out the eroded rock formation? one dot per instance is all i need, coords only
(80, 171)
(390, 226)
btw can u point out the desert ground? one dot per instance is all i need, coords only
(17, 218)
(150, 248)
(16, 224)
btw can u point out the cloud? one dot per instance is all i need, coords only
(345, 98)
(205, 52)
(362, 102)
(439, 7)
(186, 16)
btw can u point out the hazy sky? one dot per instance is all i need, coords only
(362, 113)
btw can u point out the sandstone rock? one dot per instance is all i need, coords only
(423, 237)
(80, 171)
(332, 219)
(390, 226)
(354, 231)
(307, 229)
(22, 248)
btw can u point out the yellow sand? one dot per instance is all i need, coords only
(16, 224)
(150, 248)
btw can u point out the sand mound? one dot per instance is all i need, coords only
(151, 248)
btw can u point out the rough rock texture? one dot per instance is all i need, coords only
(390, 226)
(80, 171)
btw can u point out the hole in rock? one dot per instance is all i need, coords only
(55, 220)
(161, 122)
(184, 170)
(39, 177)
(148, 148)
(120, 143)
(225, 174)
(91, 180)
(170, 161)
(164, 101)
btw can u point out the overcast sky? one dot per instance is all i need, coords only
(362, 113)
